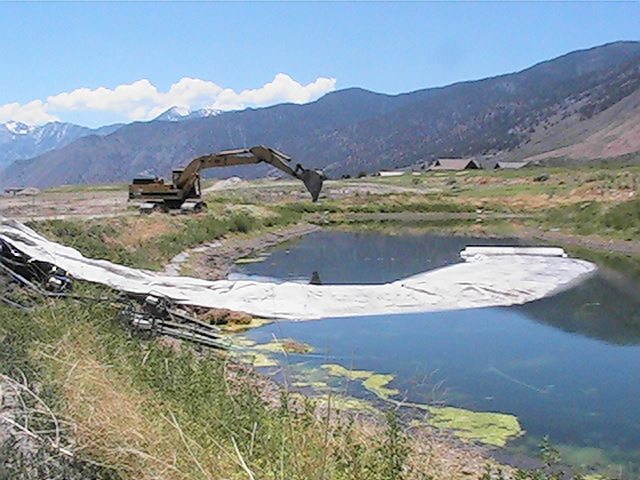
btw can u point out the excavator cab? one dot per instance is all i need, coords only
(192, 190)
(175, 175)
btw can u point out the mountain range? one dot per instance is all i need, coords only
(19, 141)
(579, 107)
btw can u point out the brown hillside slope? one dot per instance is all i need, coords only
(612, 133)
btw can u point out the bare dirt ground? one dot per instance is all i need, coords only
(109, 202)
(215, 261)
(66, 204)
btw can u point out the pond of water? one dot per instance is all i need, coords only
(567, 366)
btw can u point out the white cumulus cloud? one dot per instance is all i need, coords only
(32, 113)
(141, 100)
(282, 89)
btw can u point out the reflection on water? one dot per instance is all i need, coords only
(365, 258)
(604, 307)
(568, 366)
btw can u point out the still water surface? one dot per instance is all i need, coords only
(567, 366)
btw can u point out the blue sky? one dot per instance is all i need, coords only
(99, 63)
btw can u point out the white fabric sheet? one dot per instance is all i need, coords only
(506, 277)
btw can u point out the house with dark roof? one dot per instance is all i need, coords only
(455, 164)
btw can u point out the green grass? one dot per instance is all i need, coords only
(99, 238)
(89, 239)
(400, 205)
(97, 187)
(502, 191)
(619, 221)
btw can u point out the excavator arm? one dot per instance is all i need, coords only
(312, 179)
(186, 181)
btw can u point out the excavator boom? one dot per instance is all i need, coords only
(185, 193)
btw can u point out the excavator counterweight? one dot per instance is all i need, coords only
(184, 192)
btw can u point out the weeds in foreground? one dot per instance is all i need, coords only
(20, 460)
(161, 410)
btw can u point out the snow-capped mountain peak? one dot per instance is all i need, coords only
(17, 128)
(175, 114)
(207, 112)
(19, 141)
(178, 114)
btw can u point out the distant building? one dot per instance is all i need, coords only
(392, 173)
(455, 164)
(510, 165)
(420, 166)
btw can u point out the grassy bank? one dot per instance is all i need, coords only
(151, 241)
(133, 409)
(613, 220)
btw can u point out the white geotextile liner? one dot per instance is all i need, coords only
(482, 281)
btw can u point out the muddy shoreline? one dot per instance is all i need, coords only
(215, 261)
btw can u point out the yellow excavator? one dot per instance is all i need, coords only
(184, 193)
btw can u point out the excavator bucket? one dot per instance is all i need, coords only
(313, 181)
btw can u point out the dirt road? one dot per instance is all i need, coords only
(66, 204)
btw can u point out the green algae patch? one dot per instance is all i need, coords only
(243, 342)
(318, 381)
(317, 386)
(601, 464)
(351, 404)
(486, 427)
(339, 371)
(255, 359)
(583, 456)
(286, 345)
(305, 375)
(376, 383)
(248, 260)
(243, 327)
(259, 360)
